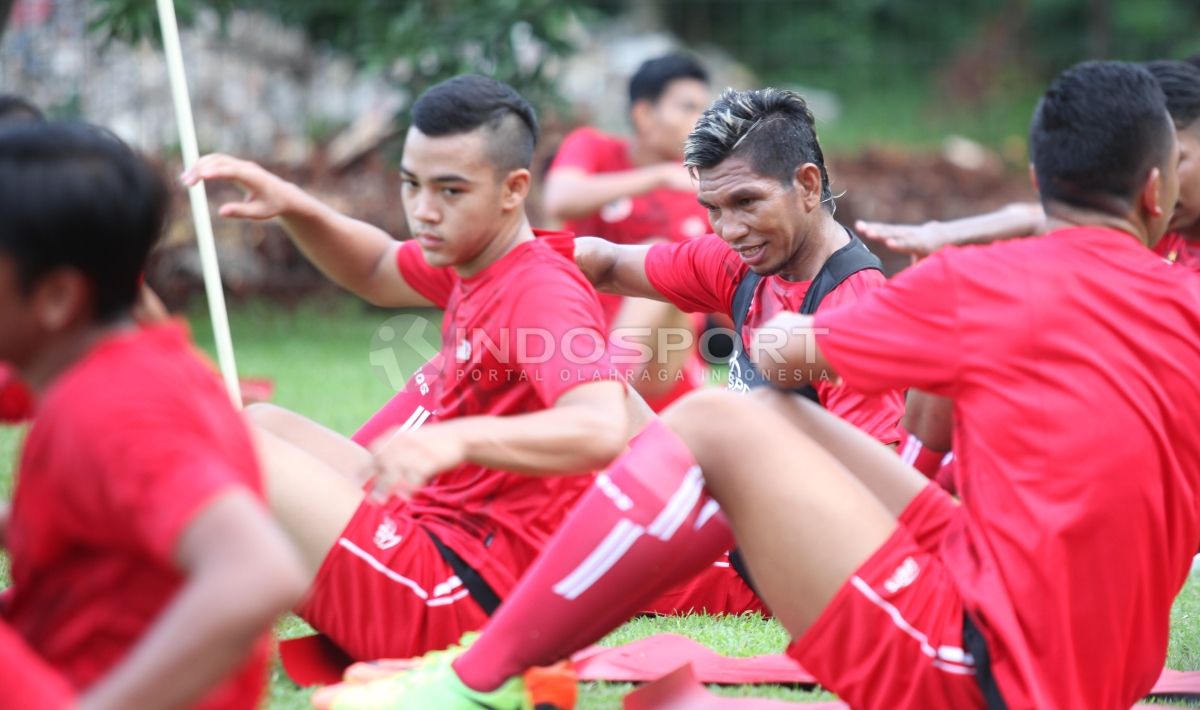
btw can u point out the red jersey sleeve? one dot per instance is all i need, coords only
(432, 283)
(159, 473)
(573, 350)
(29, 682)
(904, 334)
(698, 276)
(585, 149)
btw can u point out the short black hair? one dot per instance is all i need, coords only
(774, 128)
(74, 195)
(15, 109)
(468, 102)
(1180, 83)
(1096, 134)
(652, 78)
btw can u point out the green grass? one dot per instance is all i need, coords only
(318, 356)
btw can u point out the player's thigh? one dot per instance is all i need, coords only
(804, 524)
(888, 478)
(311, 500)
(338, 452)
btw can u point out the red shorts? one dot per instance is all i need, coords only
(892, 637)
(719, 589)
(384, 590)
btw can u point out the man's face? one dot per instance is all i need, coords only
(452, 195)
(1187, 208)
(665, 124)
(762, 219)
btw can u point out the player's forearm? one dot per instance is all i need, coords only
(348, 251)
(1009, 222)
(573, 439)
(206, 632)
(575, 194)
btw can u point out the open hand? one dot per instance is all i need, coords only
(267, 194)
(404, 461)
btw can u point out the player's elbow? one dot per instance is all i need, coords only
(605, 439)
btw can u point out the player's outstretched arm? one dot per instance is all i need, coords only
(615, 268)
(573, 193)
(585, 429)
(240, 573)
(357, 256)
(1009, 222)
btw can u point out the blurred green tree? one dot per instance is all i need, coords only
(416, 42)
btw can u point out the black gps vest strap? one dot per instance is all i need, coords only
(842, 264)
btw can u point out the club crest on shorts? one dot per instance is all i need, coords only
(904, 575)
(385, 535)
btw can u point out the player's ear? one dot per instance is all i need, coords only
(1033, 179)
(806, 181)
(61, 298)
(516, 188)
(1150, 196)
(639, 114)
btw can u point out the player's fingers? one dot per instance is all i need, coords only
(248, 209)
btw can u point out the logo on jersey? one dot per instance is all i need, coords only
(623, 502)
(904, 575)
(737, 383)
(385, 535)
(617, 210)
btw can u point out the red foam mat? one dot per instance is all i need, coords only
(655, 656)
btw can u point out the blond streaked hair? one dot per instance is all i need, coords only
(774, 128)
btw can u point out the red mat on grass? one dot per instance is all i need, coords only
(680, 690)
(655, 656)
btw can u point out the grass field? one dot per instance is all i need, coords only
(318, 356)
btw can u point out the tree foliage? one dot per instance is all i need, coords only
(417, 42)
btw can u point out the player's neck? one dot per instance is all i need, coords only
(62, 351)
(1063, 216)
(824, 238)
(511, 235)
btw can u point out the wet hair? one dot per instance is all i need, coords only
(652, 78)
(1180, 84)
(773, 128)
(469, 102)
(1097, 132)
(74, 195)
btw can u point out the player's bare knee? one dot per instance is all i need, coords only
(707, 423)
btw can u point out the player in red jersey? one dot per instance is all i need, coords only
(145, 567)
(778, 245)
(1077, 407)
(927, 419)
(524, 393)
(637, 191)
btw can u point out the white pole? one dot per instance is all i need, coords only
(199, 200)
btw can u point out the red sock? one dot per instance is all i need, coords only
(916, 454)
(646, 523)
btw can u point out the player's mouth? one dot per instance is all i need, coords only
(752, 255)
(428, 240)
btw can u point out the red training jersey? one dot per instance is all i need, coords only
(126, 448)
(703, 274)
(515, 338)
(1071, 360)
